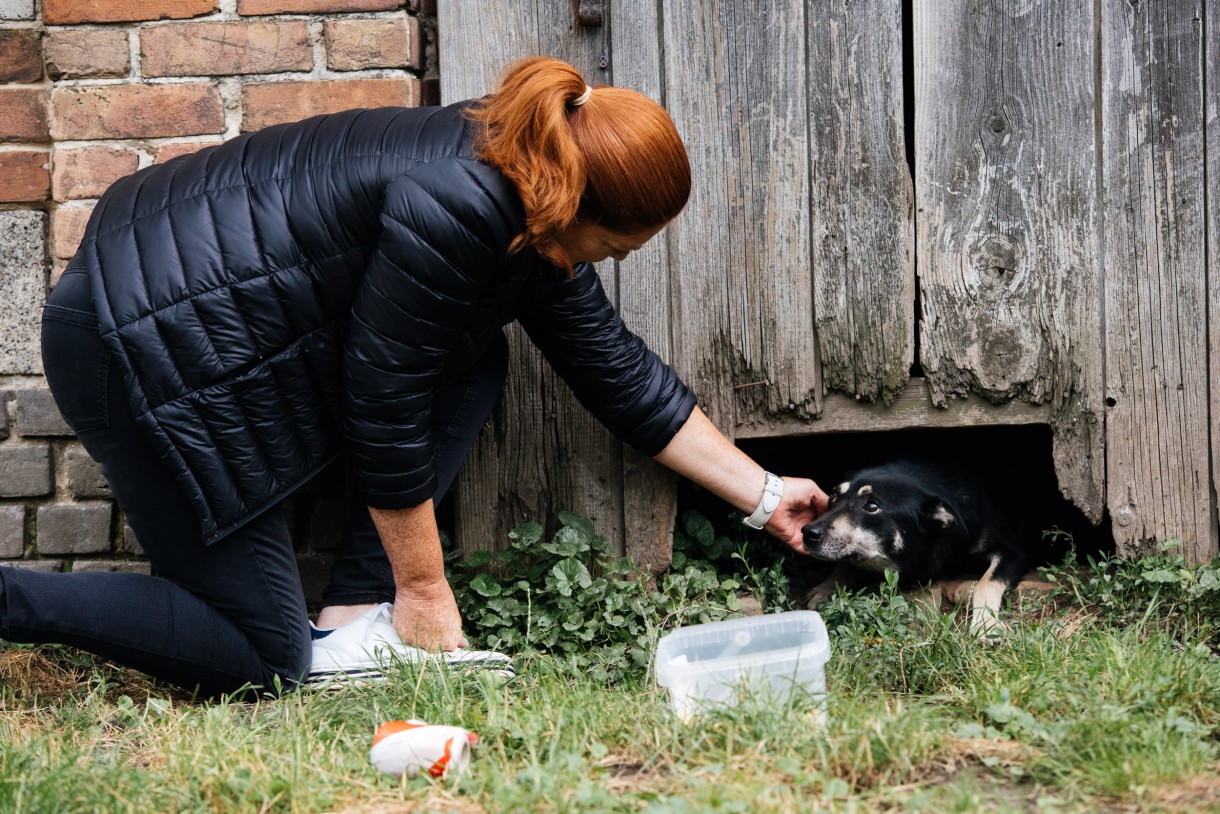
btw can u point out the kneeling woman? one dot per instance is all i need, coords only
(237, 318)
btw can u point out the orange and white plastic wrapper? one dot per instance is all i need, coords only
(411, 747)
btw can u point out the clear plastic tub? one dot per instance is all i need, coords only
(759, 659)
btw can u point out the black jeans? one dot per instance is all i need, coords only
(218, 617)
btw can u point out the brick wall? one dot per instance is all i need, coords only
(92, 90)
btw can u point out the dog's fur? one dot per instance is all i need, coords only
(924, 523)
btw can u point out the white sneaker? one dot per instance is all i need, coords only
(359, 652)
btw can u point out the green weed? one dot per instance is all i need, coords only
(570, 598)
(1153, 593)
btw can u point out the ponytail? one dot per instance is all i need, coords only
(611, 157)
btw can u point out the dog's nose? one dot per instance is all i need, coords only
(811, 534)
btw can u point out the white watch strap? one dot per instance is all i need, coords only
(773, 492)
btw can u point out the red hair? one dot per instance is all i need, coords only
(616, 160)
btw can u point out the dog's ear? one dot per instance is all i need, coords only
(939, 514)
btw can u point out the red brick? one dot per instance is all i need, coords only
(176, 148)
(136, 111)
(255, 7)
(23, 114)
(67, 229)
(353, 45)
(268, 103)
(221, 49)
(66, 12)
(86, 172)
(24, 176)
(20, 56)
(75, 53)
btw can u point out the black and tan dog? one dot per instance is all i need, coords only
(926, 525)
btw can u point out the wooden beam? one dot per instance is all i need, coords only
(912, 409)
(861, 201)
(735, 84)
(650, 491)
(1157, 458)
(1212, 168)
(1007, 209)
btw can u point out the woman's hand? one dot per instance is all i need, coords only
(425, 612)
(803, 501)
(427, 616)
(705, 456)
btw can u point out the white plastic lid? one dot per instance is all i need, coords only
(798, 636)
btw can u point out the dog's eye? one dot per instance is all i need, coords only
(871, 507)
(832, 499)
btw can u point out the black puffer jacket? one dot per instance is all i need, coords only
(307, 286)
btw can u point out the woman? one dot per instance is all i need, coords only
(237, 318)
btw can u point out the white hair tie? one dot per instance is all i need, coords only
(582, 98)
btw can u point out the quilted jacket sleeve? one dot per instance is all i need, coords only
(612, 372)
(445, 227)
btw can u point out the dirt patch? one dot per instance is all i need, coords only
(984, 761)
(53, 674)
(31, 675)
(1200, 793)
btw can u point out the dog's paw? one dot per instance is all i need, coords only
(986, 626)
(819, 593)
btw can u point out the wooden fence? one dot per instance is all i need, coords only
(1046, 259)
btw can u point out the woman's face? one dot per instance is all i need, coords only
(591, 243)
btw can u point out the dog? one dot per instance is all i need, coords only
(924, 523)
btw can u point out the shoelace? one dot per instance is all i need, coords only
(382, 613)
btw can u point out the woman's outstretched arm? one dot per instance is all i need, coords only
(700, 452)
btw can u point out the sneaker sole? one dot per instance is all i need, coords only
(373, 674)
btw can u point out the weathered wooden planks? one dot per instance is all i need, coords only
(1158, 471)
(861, 199)
(1063, 245)
(740, 257)
(1211, 121)
(1007, 217)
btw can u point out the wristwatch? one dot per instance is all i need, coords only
(773, 492)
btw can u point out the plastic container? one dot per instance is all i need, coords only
(760, 659)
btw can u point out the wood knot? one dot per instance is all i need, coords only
(996, 258)
(996, 126)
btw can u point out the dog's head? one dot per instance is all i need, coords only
(881, 518)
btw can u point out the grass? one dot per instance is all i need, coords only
(1103, 697)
